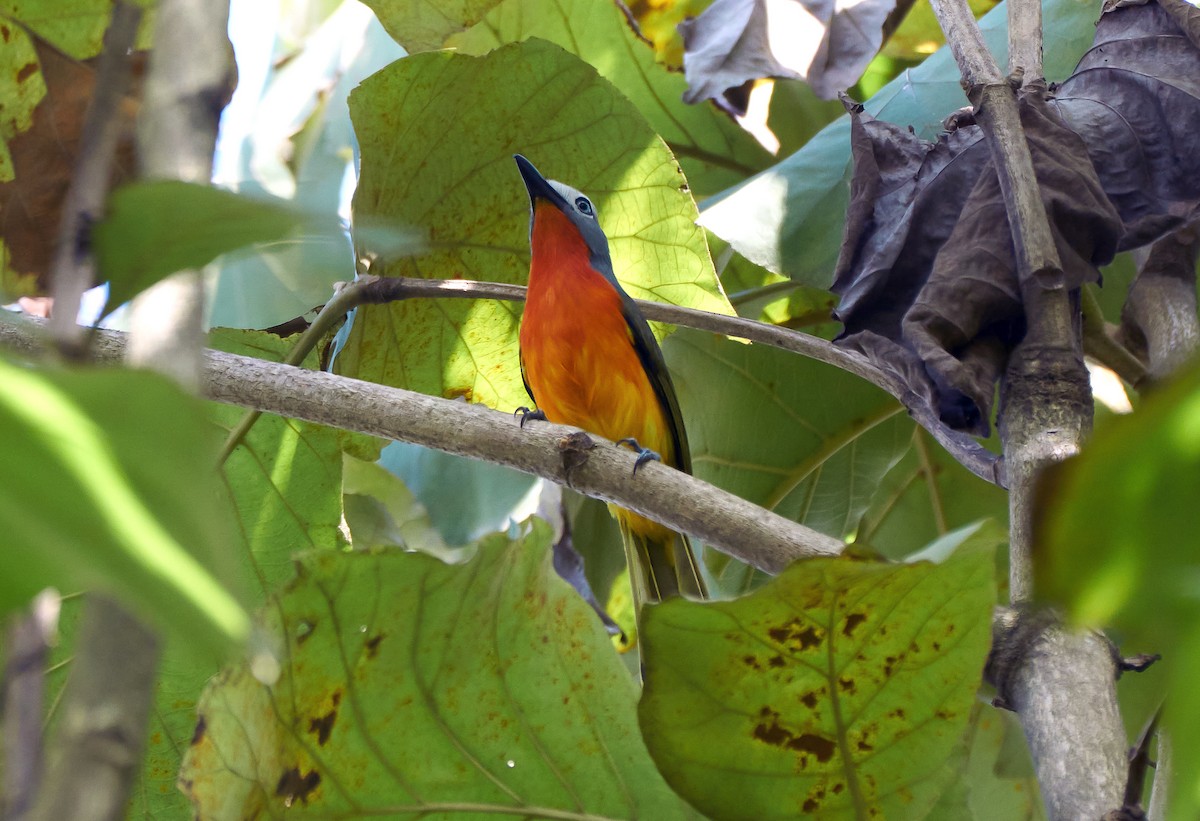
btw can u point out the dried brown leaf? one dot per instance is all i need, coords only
(927, 274)
(44, 158)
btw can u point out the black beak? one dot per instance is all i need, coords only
(536, 184)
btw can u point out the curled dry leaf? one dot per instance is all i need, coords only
(826, 44)
(927, 276)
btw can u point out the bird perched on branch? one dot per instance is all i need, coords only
(589, 360)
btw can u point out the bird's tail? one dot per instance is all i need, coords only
(661, 564)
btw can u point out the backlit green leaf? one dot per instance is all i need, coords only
(713, 150)
(531, 97)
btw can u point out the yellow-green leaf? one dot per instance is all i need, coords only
(838, 690)
(465, 191)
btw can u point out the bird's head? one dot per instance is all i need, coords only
(551, 201)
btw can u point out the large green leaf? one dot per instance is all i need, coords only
(1117, 545)
(412, 688)
(420, 25)
(285, 478)
(838, 690)
(108, 484)
(796, 436)
(466, 192)
(466, 498)
(993, 776)
(789, 218)
(713, 150)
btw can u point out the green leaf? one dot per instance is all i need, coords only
(993, 777)
(413, 688)
(382, 512)
(285, 479)
(420, 25)
(109, 485)
(927, 494)
(466, 498)
(713, 150)
(789, 218)
(1116, 545)
(466, 192)
(832, 438)
(838, 690)
(154, 229)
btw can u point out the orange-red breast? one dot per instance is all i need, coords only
(589, 360)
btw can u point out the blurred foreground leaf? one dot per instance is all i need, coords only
(837, 690)
(109, 484)
(154, 229)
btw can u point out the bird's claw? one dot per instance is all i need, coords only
(529, 413)
(644, 455)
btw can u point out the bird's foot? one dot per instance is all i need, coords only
(529, 413)
(644, 455)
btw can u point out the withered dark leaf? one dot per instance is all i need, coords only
(823, 43)
(927, 277)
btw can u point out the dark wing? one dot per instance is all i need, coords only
(524, 378)
(656, 368)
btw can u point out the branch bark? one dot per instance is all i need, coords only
(1061, 683)
(682, 502)
(24, 690)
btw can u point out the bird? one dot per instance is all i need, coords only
(589, 360)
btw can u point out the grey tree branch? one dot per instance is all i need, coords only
(97, 748)
(1025, 39)
(24, 690)
(1061, 683)
(731, 524)
(972, 455)
(72, 271)
(1160, 313)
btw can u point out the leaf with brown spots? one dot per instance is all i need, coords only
(460, 702)
(862, 714)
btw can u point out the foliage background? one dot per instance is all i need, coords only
(369, 632)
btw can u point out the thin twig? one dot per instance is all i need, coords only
(972, 455)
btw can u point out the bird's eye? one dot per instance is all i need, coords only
(584, 207)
